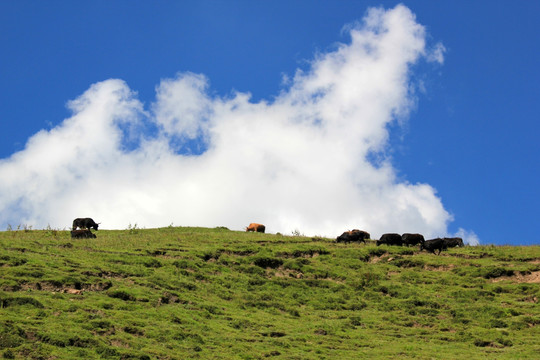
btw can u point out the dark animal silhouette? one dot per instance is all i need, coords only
(453, 242)
(390, 239)
(256, 227)
(412, 239)
(433, 245)
(84, 223)
(82, 234)
(353, 236)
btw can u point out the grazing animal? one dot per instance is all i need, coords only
(434, 244)
(353, 236)
(453, 242)
(84, 223)
(412, 239)
(390, 239)
(82, 234)
(256, 227)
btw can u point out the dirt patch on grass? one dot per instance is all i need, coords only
(285, 273)
(532, 278)
(67, 289)
(377, 259)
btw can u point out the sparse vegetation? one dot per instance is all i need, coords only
(188, 293)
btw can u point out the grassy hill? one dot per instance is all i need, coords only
(188, 293)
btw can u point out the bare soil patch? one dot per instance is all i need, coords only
(69, 289)
(532, 278)
(440, 268)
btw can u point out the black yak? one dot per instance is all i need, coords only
(84, 223)
(82, 234)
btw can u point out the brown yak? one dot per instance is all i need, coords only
(256, 227)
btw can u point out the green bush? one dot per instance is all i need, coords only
(496, 272)
(8, 354)
(153, 263)
(122, 295)
(268, 262)
(7, 301)
(376, 251)
(408, 262)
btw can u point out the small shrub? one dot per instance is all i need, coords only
(256, 281)
(495, 272)
(17, 261)
(408, 263)
(316, 283)
(51, 231)
(500, 290)
(530, 321)
(366, 279)
(156, 252)
(122, 295)
(296, 232)
(184, 335)
(407, 251)
(355, 321)
(15, 301)
(53, 339)
(186, 285)
(498, 324)
(11, 337)
(294, 312)
(214, 310)
(241, 324)
(505, 342)
(356, 306)
(107, 352)
(100, 324)
(295, 264)
(305, 253)
(211, 255)
(482, 343)
(417, 302)
(133, 330)
(181, 264)
(267, 262)
(153, 263)
(376, 251)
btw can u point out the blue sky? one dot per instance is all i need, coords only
(469, 131)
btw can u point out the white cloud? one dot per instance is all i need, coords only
(437, 53)
(299, 162)
(469, 237)
(182, 106)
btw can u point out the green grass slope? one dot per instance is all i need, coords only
(189, 293)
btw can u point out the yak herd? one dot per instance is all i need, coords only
(407, 239)
(81, 230)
